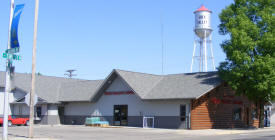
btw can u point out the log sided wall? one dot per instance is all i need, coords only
(216, 110)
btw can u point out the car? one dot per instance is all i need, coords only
(12, 120)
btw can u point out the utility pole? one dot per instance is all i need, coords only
(32, 93)
(162, 45)
(8, 81)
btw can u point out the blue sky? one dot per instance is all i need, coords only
(96, 36)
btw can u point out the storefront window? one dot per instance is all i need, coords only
(237, 114)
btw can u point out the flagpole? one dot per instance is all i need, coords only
(8, 80)
(32, 93)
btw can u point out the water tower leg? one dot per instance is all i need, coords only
(194, 50)
(201, 56)
(212, 56)
(205, 52)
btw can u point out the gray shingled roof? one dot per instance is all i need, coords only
(141, 83)
(146, 86)
(172, 86)
(78, 91)
(184, 86)
(54, 89)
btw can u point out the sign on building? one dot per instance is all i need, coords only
(27, 99)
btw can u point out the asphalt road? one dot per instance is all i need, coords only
(90, 133)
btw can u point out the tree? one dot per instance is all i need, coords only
(249, 67)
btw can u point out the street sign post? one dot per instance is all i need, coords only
(8, 80)
(13, 47)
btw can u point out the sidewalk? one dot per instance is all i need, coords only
(207, 132)
(23, 138)
(211, 132)
(16, 137)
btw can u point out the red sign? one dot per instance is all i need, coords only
(119, 93)
(225, 101)
(216, 101)
(238, 102)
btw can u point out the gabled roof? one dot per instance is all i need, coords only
(22, 100)
(172, 86)
(146, 86)
(54, 89)
(141, 83)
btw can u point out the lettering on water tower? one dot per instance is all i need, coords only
(202, 20)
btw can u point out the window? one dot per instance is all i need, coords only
(182, 112)
(237, 114)
(12, 109)
(38, 111)
(19, 110)
(254, 114)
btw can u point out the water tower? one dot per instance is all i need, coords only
(203, 40)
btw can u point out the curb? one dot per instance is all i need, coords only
(21, 138)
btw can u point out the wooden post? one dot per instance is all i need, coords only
(32, 93)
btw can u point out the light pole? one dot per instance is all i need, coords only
(8, 80)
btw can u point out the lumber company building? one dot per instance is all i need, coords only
(186, 101)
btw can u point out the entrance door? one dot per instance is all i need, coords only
(183, 117)
(121, 115)
(61, 111)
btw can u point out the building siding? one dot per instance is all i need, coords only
(15, 95)
(215, 110)
(52, 114)
(118, 85)
(11, 99)
(162, 110)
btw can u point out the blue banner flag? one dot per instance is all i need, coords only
(14, 27)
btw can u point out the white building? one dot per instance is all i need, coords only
(272, 119)
(48, 110)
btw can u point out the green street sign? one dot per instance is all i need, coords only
(11, 56)
(13, 50)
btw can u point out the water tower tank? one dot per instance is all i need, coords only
(203, 22)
